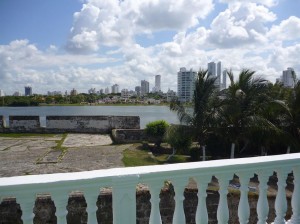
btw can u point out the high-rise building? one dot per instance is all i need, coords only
(115, 88)
(106, 91)
(224, 79)
(92, 91)
(157, 87)
(17, 93)
(144, 87)
(219, 72)
(211, 69)
(73, 92)
(288, 78)
(215, 71)
(28, 90)
(2, 92)
(186, 84)
(137, 89)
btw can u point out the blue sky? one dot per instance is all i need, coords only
(64, 44)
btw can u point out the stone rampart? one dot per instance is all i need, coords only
(128, 135)
(24, 123)
(71, 124)
(1, 122)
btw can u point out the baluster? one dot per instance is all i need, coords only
(179, 185)
(280, 202)
(296, 195)
(91, 197)
(223, 211)
(60, 199)
(124, 199)
(244, 209)
(26, 201)
(262, 204)
(201, 214)
(155, 188)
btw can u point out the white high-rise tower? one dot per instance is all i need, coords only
(186, 84)
(157, 83)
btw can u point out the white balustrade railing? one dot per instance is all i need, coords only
(124, 181)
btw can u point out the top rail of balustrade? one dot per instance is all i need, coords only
(103, 178)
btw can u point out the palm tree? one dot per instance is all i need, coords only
(199, 117)
(241, 115)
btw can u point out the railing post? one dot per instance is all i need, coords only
(262, 204)
(280, 202)
(179, 186)
(91, 197)
(60, 198)
(223, 211)
(244, 209)
(26, 201)
(124, 199)
(201, 214)
(296, 197)
(155, 189)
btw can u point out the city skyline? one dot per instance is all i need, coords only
(59, 44)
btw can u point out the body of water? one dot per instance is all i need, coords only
(146, 113)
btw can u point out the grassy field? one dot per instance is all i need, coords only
(136, 156)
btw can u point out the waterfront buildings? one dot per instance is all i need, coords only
(288, 78)
(185, 84)
(28, 90)
(73, 92)
(157, 87)
(106, 91)
(115, 88)
(144, 87)
(215, 71)
(138, 90)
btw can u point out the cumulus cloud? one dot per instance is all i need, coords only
(288, 29)
(115, 23)
(240, 24)
(268, 3)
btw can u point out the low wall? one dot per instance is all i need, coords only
(71, 124)
(24, 123)
(1, 122)
(44, 210)
(90, 124)
(128, 135)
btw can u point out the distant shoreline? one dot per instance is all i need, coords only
(72, 105)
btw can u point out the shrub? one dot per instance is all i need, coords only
(156, 131)
(179, 137)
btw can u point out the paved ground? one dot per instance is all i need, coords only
(37, 155)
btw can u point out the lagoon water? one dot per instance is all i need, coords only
(146, 113)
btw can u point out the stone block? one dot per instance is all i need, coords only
(24, 123)
(128, 135)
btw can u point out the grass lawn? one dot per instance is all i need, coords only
(20, 135)
(136, 156)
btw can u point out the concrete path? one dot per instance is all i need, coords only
(38, 155)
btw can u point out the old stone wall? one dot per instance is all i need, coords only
(24, 123)
(128, 135)
(1, 122)
(44, 210)
(71, 124)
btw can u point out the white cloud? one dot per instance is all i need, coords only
(240, 24)
(288, 29)
(115, 23)
(268, 3)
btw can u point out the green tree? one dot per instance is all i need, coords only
(200, 117)
(156, 130)
(242, 111)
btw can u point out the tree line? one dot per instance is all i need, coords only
(251, 117)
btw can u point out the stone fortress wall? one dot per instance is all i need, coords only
(70, 124)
